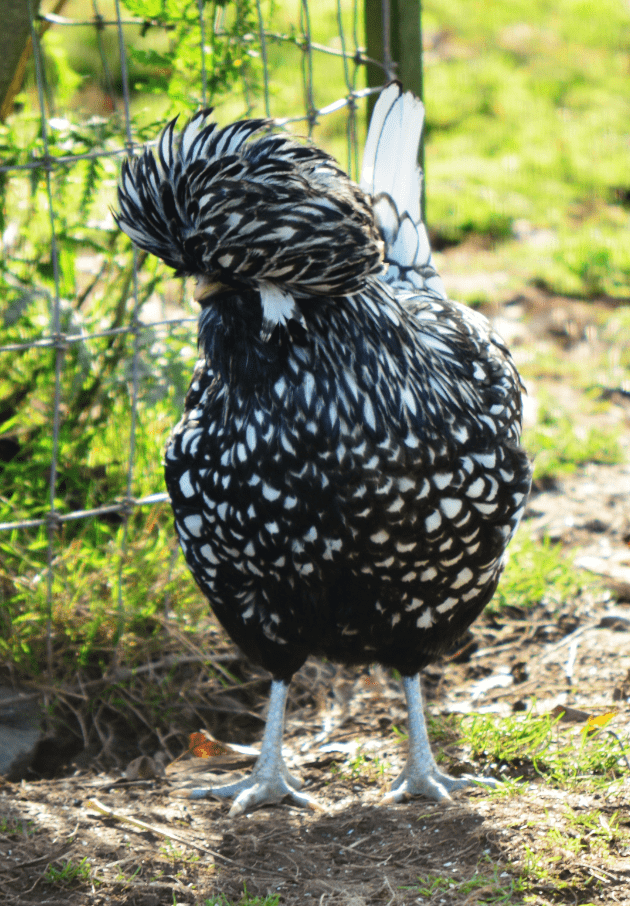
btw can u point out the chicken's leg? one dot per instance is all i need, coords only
(270, 780)
(421, 775)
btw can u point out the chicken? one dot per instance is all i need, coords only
(348, 471)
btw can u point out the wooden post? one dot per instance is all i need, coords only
(405, 49)
(374, 43)
(406, 32)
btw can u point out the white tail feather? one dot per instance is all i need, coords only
(390, 158)
(391, 175)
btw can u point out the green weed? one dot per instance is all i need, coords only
(12, 826)
(361, 766)
(536, 571)
(246, 900)
(70, 874)
(558, 447)
(569, 757)
(487, 885)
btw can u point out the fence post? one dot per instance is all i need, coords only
(15, 50)
(374, 46)
(393, 31)
(406, 32)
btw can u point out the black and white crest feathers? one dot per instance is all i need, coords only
(250, 210)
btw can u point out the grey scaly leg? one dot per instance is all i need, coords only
(421, 775)
(270, 780)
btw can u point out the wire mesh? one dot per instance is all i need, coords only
(66, 147)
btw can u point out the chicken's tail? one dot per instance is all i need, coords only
(391, 175)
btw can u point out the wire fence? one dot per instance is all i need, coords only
(50, 160)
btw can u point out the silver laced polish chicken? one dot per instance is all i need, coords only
(347, 473)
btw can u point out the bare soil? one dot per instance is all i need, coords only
(341, 738)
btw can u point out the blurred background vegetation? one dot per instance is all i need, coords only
(527, 175)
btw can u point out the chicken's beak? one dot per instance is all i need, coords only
(205, 287)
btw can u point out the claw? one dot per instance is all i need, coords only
(421, 775)
(263, 793)
(270, 781)
(434, 785)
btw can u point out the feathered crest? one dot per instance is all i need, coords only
(247, 207)
(245, 210)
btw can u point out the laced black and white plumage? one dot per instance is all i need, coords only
(347, 473)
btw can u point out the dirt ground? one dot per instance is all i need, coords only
(343, 743)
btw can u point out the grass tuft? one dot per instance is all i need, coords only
(536, 571)
(566, 756)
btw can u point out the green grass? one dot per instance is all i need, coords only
(487, 885)
(566, 756)
(70, 874)
(526, 114)
(246, 900)
(544, 854)
(565, 843)
(536, 572)
(364, 766)
(558, 449)
(12, 826)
